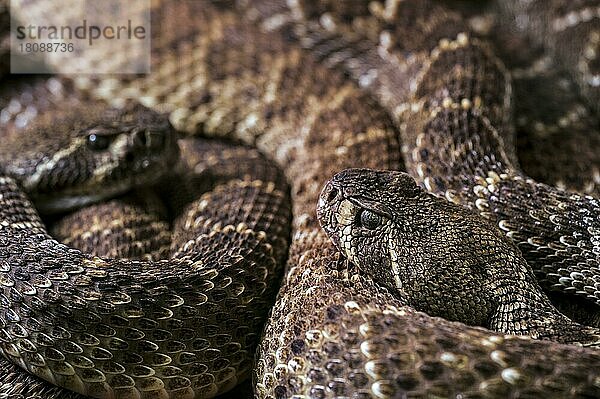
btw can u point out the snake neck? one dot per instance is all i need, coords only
(531, 313)
(13, 202)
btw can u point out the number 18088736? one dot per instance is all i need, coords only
(46, 47)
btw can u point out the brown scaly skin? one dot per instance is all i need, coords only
(427, 250)
(556, 133)
(23, 98)
(171, 316)
(119, 228)
(570, 31)
(133, 232)
(224, 377)
(16, 384)
(205, 164)
(328, 314)
(452, 99)
(557, 136)
(129, 227)
(334, 332)
(559, 148)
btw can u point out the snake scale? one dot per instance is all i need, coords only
(319, 87)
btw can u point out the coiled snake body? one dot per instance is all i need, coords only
(332, 331)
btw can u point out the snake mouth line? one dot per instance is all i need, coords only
(68, 200)
(48, 204)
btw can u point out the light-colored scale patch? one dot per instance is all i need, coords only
(371, 135)
(95, 262)
(538, 67)
(368, 78)
(422, 168)
(275, 21)
(589, 55)
(33, 180)
(118, 147)
(346, 213)
(394, 258)
(449, 103)
(328, 22)
(463, 40)
(22, 225)
(268, 187)
(570, 118)
(23, 109)
(445, 45)
(383, 389)
(349, 250)
(488, 185)
(482, 24)
(575, 18)
(386, 11)
(511, 375)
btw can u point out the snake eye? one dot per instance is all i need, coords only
(98, 142)
(369, 220)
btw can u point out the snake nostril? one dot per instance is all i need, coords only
(333, 193)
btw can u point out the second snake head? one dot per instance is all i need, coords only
(440, 257)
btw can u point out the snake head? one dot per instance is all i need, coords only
(359, 209)
(84, 155)
(423, 248)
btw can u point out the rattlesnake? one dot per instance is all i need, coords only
(380, 221)
(332, 330)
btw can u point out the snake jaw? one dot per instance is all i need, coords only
(79, 197)
(325, 212)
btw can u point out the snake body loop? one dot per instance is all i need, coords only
(122, 328)
(453, 107)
